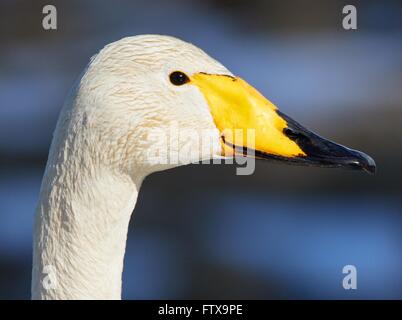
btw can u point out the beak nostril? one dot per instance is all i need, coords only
(293, 135)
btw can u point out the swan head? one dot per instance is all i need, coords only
(153, 102)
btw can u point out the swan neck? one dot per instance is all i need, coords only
(80, 233)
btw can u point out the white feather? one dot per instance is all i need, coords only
(99, 157)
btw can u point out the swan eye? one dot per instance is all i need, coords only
(178, 78)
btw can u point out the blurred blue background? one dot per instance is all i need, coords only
(201, 231)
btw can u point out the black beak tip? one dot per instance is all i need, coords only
(366, 163)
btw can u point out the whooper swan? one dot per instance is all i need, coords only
(132, 92)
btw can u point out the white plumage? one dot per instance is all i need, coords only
(98, 159)
(116, 120)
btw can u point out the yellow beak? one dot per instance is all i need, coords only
(238, 109)
(237, 106)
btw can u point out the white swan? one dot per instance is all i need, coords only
(100, 153)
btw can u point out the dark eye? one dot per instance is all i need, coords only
(178, 78)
